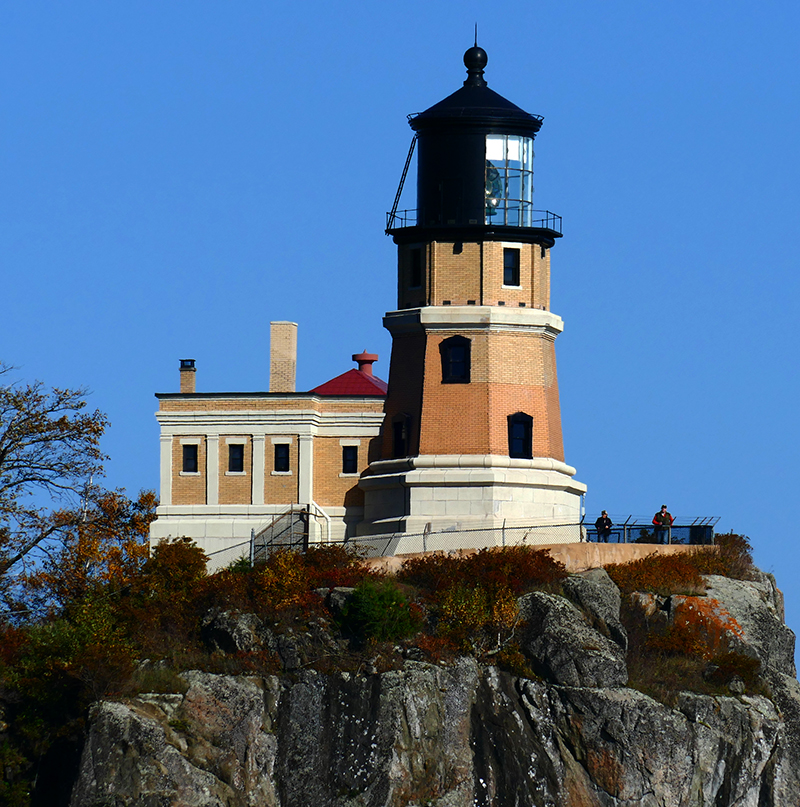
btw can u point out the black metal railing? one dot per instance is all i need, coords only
(693, 531)
(543, 220)
(288, 530)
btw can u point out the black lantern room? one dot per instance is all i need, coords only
(474, 168)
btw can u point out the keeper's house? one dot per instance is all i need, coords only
(235, 462)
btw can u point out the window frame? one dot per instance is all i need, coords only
(349, 460)
(446, 349)
(416, 266)
(526, 422)
(513, 280)
(193, 449)
(234, 449)
(279, 449)
(401, 436)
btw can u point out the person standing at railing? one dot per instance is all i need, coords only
(663, 523)
(603, 526)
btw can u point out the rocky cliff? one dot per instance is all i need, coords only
(465, 733)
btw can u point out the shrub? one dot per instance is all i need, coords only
(659, 574)
(731, 557)
(477, 617)
(175, 568)
(379, 610)
(334, 565)
(517, 568)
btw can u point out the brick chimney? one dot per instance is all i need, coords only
(188, 371)
(282, 356)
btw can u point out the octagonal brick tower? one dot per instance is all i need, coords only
(472, 434)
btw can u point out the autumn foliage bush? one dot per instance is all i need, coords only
(517, 568)
(658, 574)
(473, 597)
(681, 573)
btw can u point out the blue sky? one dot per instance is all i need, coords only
(174, 175)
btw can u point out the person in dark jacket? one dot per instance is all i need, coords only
(662, 521)
(603, 526)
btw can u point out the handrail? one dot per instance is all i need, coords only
(398, 219)
(390, 216)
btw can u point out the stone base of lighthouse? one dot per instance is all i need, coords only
(469, 492)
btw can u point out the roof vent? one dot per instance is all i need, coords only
(365, 361)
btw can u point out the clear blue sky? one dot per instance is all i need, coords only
(174, 175)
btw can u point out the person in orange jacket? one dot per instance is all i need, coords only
(662, 521)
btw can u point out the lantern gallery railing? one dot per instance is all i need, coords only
(535, 219)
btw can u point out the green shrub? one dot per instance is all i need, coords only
(379, 610)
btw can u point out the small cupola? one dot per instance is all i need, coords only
(474, 166)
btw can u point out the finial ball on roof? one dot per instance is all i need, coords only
(475, 58)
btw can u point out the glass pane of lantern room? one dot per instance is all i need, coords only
(514, 151)
(495, 148)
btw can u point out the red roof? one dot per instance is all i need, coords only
(353, 382)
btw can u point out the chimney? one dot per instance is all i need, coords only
(282, 356)
(187, 375)
(365, 361)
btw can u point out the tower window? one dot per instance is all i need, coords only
(190, 458)
(520, 432)
(509, 180)
(349, 459)
(455, 353)
(281, 458)
(510, 267)
(415, 268)
(236, 458)
(401, 428)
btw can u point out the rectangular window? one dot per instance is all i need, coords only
(415, 268)
(236, 458)
(349, 459)
(190, 459)
(400, 437)
(511, 267)
(282, 458)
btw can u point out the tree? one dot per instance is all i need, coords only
(104, 545)
(49, 451)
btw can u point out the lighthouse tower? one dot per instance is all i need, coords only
(472, 432)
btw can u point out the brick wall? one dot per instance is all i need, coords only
(281, 488)
(471, 273)
(235, 488)
(189, 489)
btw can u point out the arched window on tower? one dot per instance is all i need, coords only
(520, 436)
(455, 353)
(401, 435)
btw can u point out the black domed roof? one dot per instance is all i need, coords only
(476, 104)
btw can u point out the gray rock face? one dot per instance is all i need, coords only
(597, 594)
(565, 649)
(449, 737)
(757, 607)
(463, 735)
